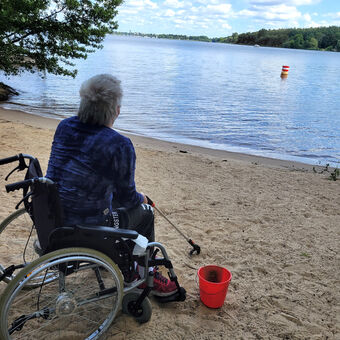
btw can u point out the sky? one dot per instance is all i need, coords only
(218, 18)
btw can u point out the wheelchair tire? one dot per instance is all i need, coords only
(17, 235)
(143, 314)
(81, 303)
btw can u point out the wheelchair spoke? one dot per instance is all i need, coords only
(77, 316)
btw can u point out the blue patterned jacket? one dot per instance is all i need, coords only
(92, 165)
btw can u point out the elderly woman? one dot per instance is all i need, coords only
(94, 165)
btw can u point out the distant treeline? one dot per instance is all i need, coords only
(318, 38)
(168, 36)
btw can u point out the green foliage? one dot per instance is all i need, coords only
(304, 254)
(334, 175)
(312, 44)
(45, 35)
(337, 47)
(324, 38)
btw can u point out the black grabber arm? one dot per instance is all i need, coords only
(196, 247)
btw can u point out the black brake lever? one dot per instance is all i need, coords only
(23, 199)
(22, 166)
(17, 168)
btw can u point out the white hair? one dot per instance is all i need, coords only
(100, 97)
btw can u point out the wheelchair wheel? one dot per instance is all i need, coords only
(80, 304)
(17, 235)
(143, 314)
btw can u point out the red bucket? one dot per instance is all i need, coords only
(213, 284)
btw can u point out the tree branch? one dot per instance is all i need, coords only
(33, 31)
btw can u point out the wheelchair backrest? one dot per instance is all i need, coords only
(46, 209)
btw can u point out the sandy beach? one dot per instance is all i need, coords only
(274, 224)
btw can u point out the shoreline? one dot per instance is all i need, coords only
(33, 120)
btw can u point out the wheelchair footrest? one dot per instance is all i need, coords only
(180, 295)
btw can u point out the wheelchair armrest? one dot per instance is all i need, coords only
(110, 232)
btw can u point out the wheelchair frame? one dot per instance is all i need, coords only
(72, 265)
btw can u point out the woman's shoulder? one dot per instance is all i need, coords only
(68, 121)
(116, 138)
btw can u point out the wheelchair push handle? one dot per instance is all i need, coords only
(26, 183)
(19, 185)
(9, 159)
(19, 157)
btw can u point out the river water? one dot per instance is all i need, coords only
(219, 96)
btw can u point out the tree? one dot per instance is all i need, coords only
(330, 38)
(234, 37)
(311, 43)
(298, 41)
(45, 35)
(337, 47)
(311, 38)
(261, 33)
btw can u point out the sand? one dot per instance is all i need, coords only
(273, 224)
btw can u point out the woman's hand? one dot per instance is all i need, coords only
(145, 198)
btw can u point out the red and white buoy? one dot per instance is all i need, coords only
(284, 72)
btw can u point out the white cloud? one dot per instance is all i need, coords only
(129, 11)
(303, 2)
(169, 13)
(174, 3)
(334, 15)
(151, 4)
(315, 20)
(308, 21)
(219, 9)
(135, 3)
(331, 19)
(276, 13)
(307, 17)
(180, 21)
(141, 4)
(202, 13)
(283, 2)
(226, 26)
(279, 13)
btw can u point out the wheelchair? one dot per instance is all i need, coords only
(80, 277)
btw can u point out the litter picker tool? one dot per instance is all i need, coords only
(195, 247)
